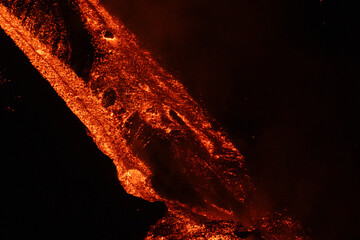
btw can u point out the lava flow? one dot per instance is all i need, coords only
(162, 142)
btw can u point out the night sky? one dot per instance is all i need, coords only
(281, 77)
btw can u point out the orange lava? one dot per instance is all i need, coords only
(142, 118)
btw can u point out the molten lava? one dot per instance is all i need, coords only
(162, 142)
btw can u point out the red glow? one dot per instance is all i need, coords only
(128, 102)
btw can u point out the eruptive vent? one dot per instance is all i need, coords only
(161, 141)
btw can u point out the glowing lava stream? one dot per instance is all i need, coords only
(161, 141)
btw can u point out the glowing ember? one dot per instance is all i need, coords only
(161, 141)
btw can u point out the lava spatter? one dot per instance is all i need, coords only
(161, 141)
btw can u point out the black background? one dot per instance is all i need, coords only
(281, 77)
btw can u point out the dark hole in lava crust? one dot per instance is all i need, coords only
(108, 34)
(109, 97)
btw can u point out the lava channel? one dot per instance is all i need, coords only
(163, 144)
